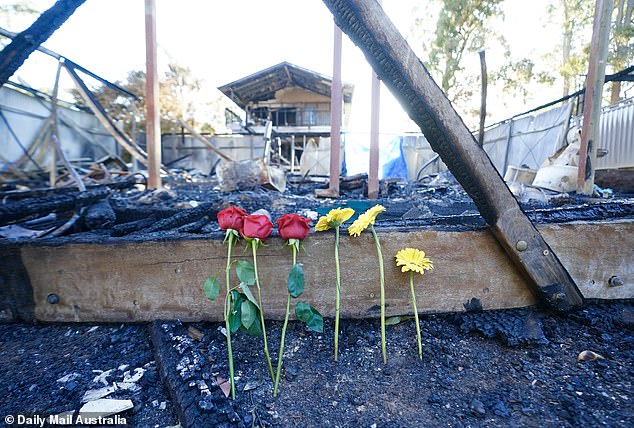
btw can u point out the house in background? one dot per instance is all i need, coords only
(295, 100)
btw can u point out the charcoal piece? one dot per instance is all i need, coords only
(99, 215)
(513, 327)
(28, 208)
(132, 226)
(184, 217)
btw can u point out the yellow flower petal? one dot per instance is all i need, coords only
(412, 259)
(322, 224)
(374, 211)
(364, 220)
(359, 225)
(337, 216)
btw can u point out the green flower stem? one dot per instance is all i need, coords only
(288, 312)
(254, 246)
(411, 287)
(382, 277)
(338, 295)
(227, 309)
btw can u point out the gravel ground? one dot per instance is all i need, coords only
(503, 368)
(46, 369)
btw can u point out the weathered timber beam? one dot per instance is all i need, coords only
(15, 53)
(101, 115)
(142, 281)
(404, 74)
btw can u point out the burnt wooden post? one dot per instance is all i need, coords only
(590, 128)
(399, 68)
(14, 55)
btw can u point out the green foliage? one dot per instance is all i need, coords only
(248, 294)
(311, 316)
(244, 314)
(248, 314)
(296, 281)
(211, 287)
(178, 89)
(245, 272)
(393, 320)
(462, 27)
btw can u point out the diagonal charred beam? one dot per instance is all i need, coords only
(14, 55)
(403, 73)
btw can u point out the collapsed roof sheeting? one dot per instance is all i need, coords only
(263, 85)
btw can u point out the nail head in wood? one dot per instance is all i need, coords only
(521, 246)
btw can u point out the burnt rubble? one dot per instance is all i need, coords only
(183, 209)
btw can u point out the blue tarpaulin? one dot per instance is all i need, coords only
(392, 160)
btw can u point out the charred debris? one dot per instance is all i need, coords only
(123, 208)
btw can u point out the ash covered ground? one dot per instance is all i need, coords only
(503, 368)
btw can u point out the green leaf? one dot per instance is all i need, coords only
(393, 320)
(254, 330)
(247, 293)
(311, 316)
(245, 272)
(211, 287)
(249, 313)
(235, 319)
(296, 280)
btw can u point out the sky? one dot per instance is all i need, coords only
(222, 41)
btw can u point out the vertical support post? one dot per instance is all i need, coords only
(594, 88)
(373, 173)
(483, 96)
(336, 95)
(152, 121)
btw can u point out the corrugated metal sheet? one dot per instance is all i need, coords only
(528, 140)
(81, 134)
(617, 135)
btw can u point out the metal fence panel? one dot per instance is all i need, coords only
(617, 135)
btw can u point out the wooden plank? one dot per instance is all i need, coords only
(161, 280)
(404, 74)
(152, 105)
(590, 128)
(205, 141)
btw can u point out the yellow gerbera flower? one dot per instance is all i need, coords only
(334, 218)
(374, 211)
(322, 224)
(412, 259)
(364, 220)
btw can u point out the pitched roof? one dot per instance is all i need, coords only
(262, 85)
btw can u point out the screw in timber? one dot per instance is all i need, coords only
(546, 252)
(52, 298)
(521, 246)
(615, 281)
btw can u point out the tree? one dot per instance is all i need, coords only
(622, 45)
(463, 26)
(177, 89)
(575, 18)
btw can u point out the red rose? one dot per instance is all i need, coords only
(257, 226)
(293, 226)
(231, 218)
